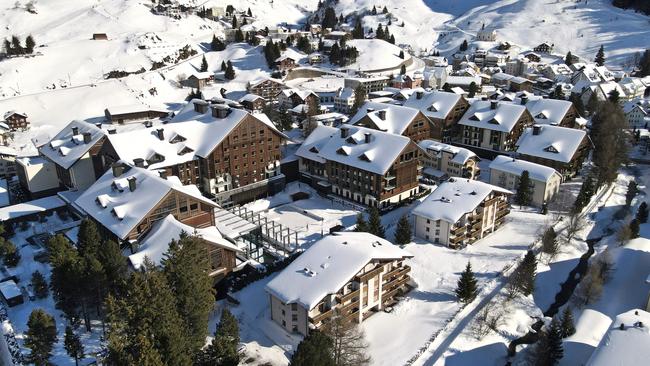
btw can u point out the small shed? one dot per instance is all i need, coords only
(11, 293)
(100, 37)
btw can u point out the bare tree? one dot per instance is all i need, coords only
(349, 343)
(624, 235)
(590, 288)
(487, 319)
(575, 223)
(605, 265)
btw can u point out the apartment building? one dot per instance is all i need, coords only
(394, 119)
(441, 161)
(370, 84)
(461, 211)
(368, 166)
(351, 275)
(505, 172)
(443, 109)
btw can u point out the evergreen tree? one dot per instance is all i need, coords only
(567, 326)
(402, 70)
(587, 190)
(466, 289)
(385, 10)
(357, 32)
(568, 59)
(610, 139)
(230, 71)
(39, 284)
(374, 10)
(224, 67)
(379, 33)
(524, 194)
(577, 102)
(403, 232)
(329, 19)
(187, 269)
(614, 96)
(73, 346)
(401, 54)
(642, 213)
(249, 12)
(9, 253)
(550, 350)
(446, 87)
(115, 267)
(223, 349)
(234, 22)
(204, 65)
(7, 47)
(632, 191)
(315, 349)
(30, 44)
(528, 270)
(464, 46)
(600, 56)
(644, 64)
(359, 98)
(40, 337)
(217, 44)
(472, 90)
(550, 244)
(374, 223)
(65, 280)
(634, 229)
(391, 39)
(15, 46)
(89, 239)
(239, 36)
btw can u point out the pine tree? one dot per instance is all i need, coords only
(610, 139)
(524, 194)
(73, 346)
(329, 19)
(634, 229)
(600, 56)
(115, 267)
(359, 98)
(401, 54)
(217, 44)
(403, 232)
(555, 348)
(224, 67)
(374, 223)
(357, 32)
(9, 253)
(40, 337)
(204, 65)
(528, 270)
(223, 349)
(385, 10)
(39, 284)
(567, 325)
(472, 90)
(614, 96)
(632, 191)
(249, 12)
(391, 39)
(15, 45)
(446, 87)
(464, 46)
(315, 349)
(466, 289)
(402, 70)
(577, 102)
(66, 276)
(642, 213)
(187, 269)
(230, 71)
(379, 33)
(7, 47)
(550, 244)
(89, 239)
(568, 60)
(30, 44)
(374, 10)
(234, 22)
(239, 36)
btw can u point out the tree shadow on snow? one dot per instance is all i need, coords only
(491, 354)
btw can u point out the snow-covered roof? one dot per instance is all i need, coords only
(546, 111)
(503, 118)
(203, 75)
(302, 94)
(11, 113)
(4, 194)
(111, 202)
(250, 98)
(434, 104)
(387, 117)
(156, 243)
(328, 265)
(552, 142)
(627, 346)
(132, 108)
(375, 156)
(514, 166)
(65, 148)
(31, 207)
(460, 154)
(9, 289)
(454, 198)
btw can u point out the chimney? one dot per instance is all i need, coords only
(87, 137)
(524, 99)
(484, 98)
(367, 139)
(200, 106)
(537, 129)
(75, 131)
(139, 162)
(118, 169)
(160, 133)
(162, 174)
(148, 124)
(132, 183)
(419, 94)
(493, 104)
(220, 111)
(382, 114)
(112, 131)
(344, 132)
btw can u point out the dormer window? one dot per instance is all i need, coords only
(351, 140)
(433, 109)
(314, 149)
(541, 116)
(474, 118)
(185, 150)
(551, 149)
(155, 158)
(177, 138)
(364, 157)
(494, 121)
(342, 151)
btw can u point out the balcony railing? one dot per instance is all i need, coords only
(324, 315)
(457, 240)
(489, 202)
(399, 271)
(348, 296)
(458, 231)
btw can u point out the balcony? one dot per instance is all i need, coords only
(457, 240)
(390, 293)
(458, 231)
(502, 204)
(489, 202)
(399, 271)
(322, 316)
(389, 177)
(372, 273)
(349, 296)
(477, 226)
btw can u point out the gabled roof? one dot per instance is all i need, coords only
(536, 171)
(503, 118)
(65, 148)
(110, 201)
(460, 154)
(433, 104)
(626, 346)
(454, 198)
(156, 243)
(328, 265)
(375, 156)
(553, 142)
(11, 113)
(396, 118)
(546, 111)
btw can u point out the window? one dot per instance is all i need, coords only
(427, 230)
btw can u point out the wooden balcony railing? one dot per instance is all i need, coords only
(370, 274)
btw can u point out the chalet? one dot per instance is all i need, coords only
(407, 81)
(461, 211)
(37, 176)
(558, 72)
(221, 252)
(284, 63)
(368, 166)
(493, 125)
(505, 172)
(638, 113)
(315, 58)
(16, 121)
(533, 57)
(395, 119)
(544, 48)
(291, 98)
(463, 82)
(563, 149)
(75, 153)
(436, 77)
(100, 37)
(443, 109)
(132, 113)
(443, 160)
(555, 112)
(252, 102)
(199, 80)
(127, 201)
(518, 84)
(266, 88)
(350, 275)
(228, 152)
